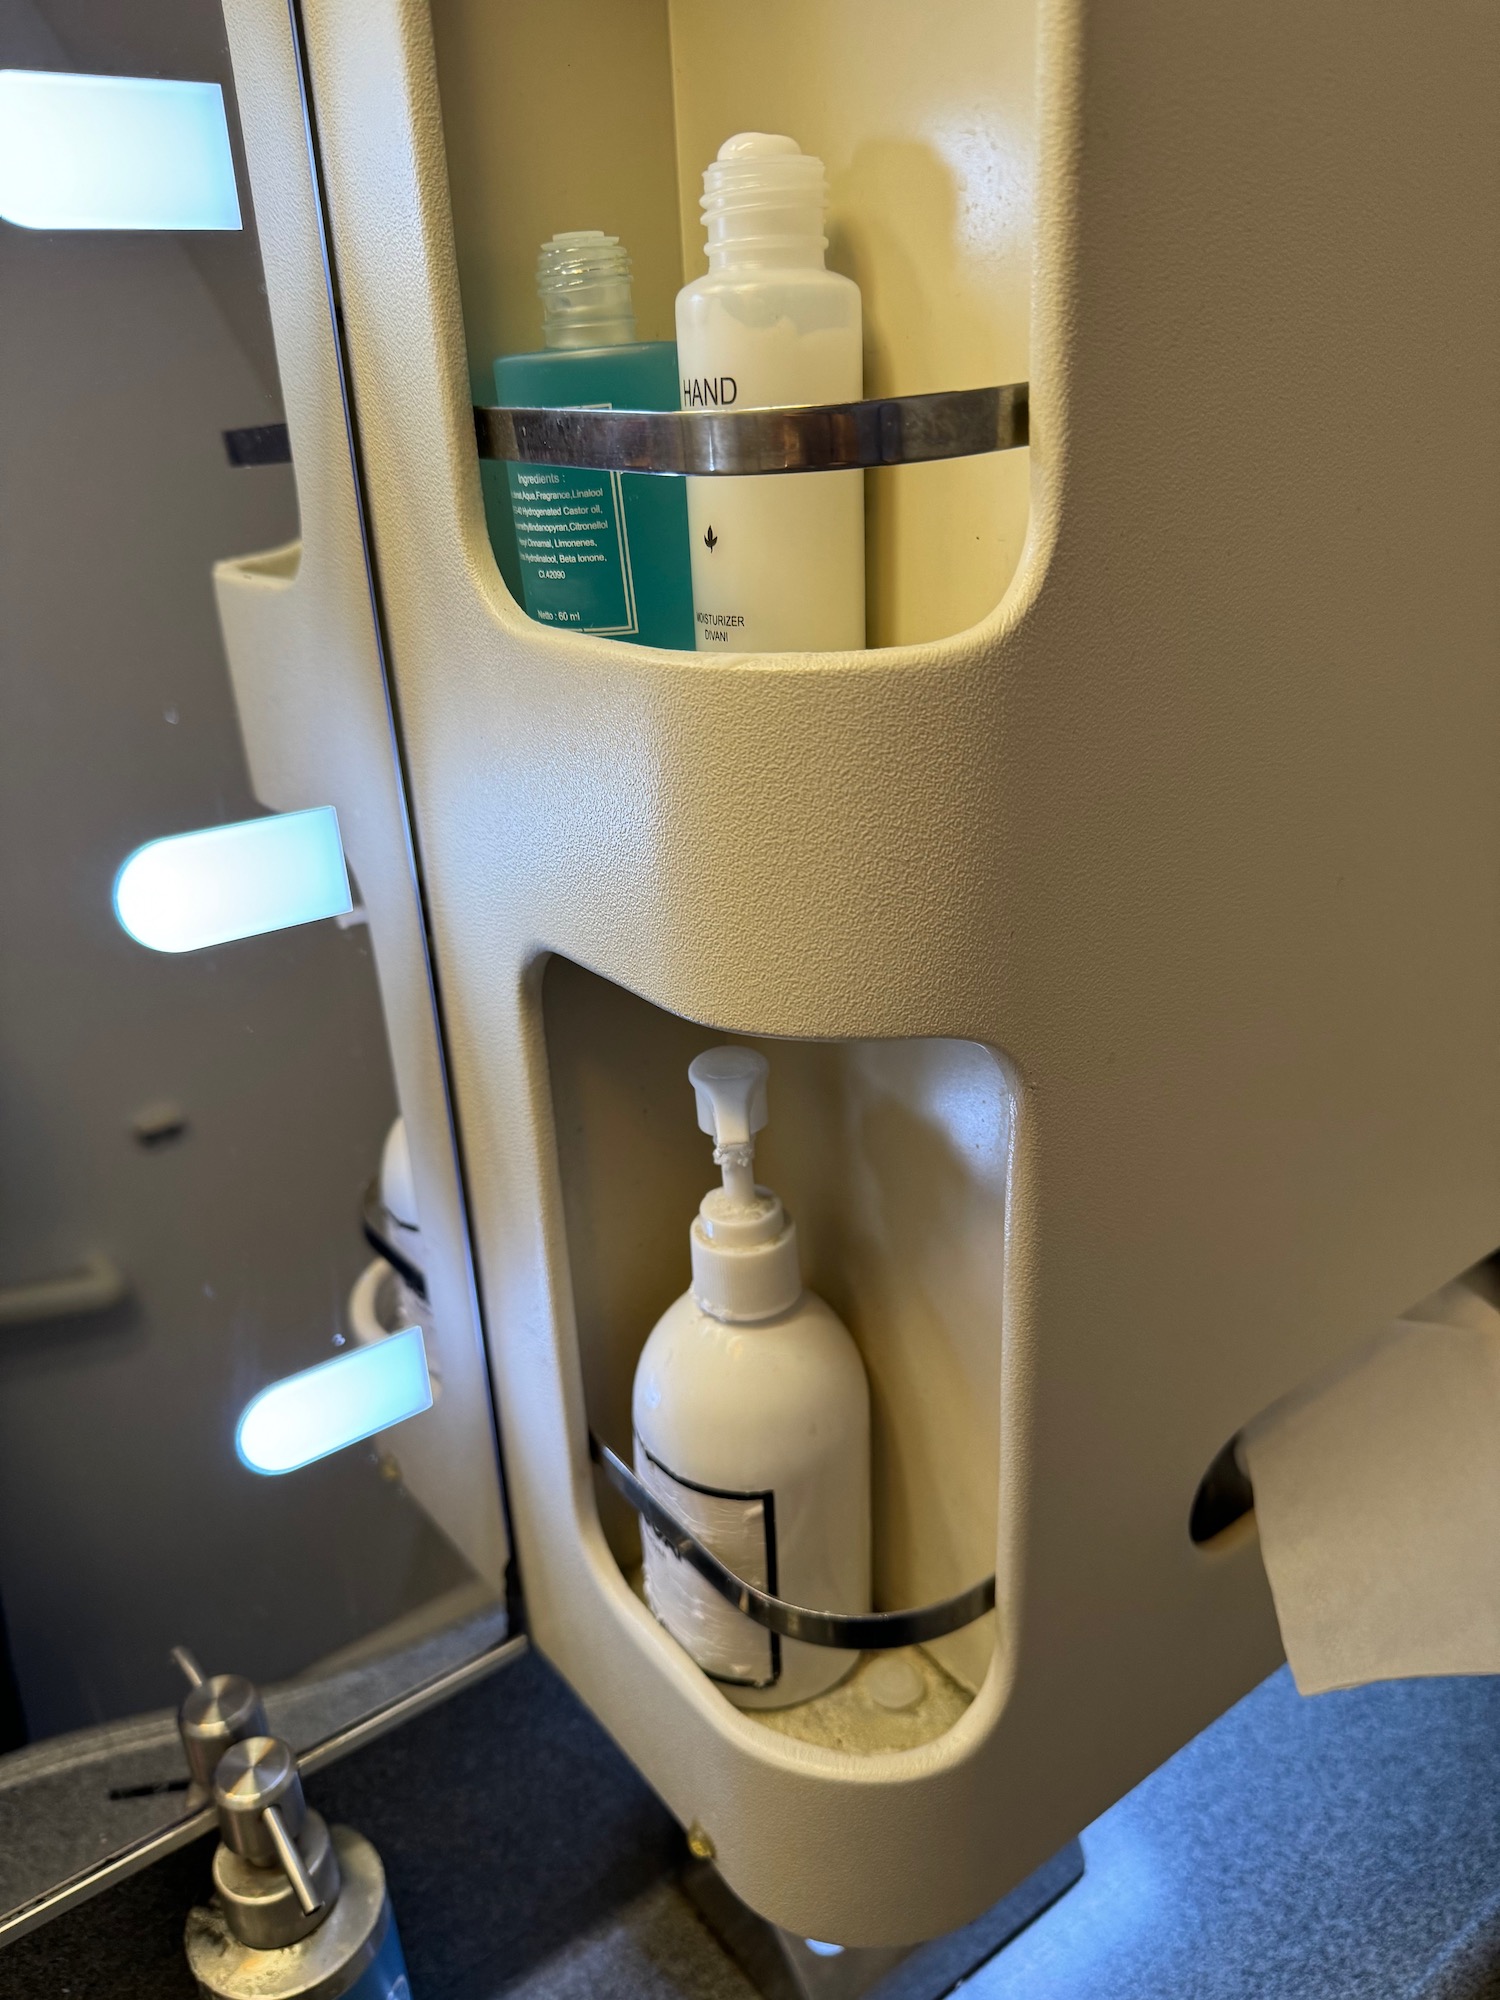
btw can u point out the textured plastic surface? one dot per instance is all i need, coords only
(1197, 828)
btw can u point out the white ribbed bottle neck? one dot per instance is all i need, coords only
(744, 1256)
(763, 204)
(583, 282)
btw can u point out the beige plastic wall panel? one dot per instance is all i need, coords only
(925, 117)
(300, 638)
(1199, 829)
(519, 172)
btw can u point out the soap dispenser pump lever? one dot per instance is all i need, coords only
(300, 1910)
(293, 1866)
(188, 1666)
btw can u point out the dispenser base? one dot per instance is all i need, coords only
(784, 1967)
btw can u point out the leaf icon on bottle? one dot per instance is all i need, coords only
(710, 539)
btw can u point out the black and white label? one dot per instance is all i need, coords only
(740, 1529)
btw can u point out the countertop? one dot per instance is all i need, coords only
(1347, 1845)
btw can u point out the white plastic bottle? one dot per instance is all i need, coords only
(398, 1196)
(752, 1422)
(385, 1299)
(778, 560)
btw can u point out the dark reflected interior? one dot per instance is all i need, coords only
(202, 1125)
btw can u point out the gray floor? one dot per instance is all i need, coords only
(654, 1948)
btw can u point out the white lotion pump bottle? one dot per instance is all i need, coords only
(778, 560)
(752, 1423)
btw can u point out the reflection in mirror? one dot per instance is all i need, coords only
(242, 1404)
(189, 890)
(114, 152)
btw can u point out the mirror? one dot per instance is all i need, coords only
(243, 1404)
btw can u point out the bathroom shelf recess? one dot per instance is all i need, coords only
(825, 437)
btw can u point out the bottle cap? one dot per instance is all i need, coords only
(763, 202)
(583, 282)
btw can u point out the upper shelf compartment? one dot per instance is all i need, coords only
(596, 115)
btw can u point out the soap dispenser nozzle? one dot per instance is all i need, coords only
(300, 1910)
(218, 1710)
(730, 1085)
(743, 1243)
(276, 1871)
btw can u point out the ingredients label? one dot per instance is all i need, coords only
(574, 551)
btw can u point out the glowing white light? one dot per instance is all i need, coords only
(195, 889)
(820, 1950)
(114, 152)
(305, 1417)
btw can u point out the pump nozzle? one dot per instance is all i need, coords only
(730, 1085)
(744, 1245)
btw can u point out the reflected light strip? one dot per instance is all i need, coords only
(305, 1417)
(190, 890)
(114, 152)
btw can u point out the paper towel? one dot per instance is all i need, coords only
(1377, 1501)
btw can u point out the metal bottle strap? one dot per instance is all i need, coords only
(825, 437)
(863, 1632)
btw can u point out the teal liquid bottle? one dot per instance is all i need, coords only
(600, 552)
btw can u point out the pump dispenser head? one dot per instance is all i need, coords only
(217, 1711)
(744, 1247)
(276, 1872)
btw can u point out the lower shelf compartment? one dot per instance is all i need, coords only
(893, 1158)
(890, 1701)
(887, 1701)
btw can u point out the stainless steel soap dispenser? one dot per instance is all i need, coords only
(218, 1710)
(299, 1908)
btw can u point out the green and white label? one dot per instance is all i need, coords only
(574, 550)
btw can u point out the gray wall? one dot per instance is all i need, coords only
(126, 1523)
